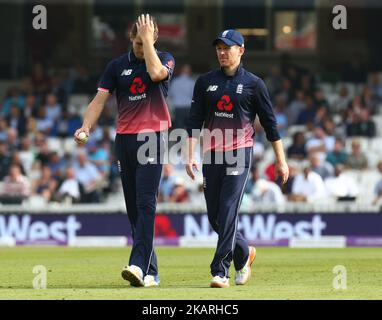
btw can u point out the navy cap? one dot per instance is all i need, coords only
(230, 38)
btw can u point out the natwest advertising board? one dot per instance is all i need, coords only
(277, 229)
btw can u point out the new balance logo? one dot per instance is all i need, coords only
(239, 89)
(212, 88)
(126, 72)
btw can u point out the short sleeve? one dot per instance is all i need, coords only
(169, 62)
(108, 78)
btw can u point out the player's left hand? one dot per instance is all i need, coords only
(282, 171)
(145, 28)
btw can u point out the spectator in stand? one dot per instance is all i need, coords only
(279, 110)
(180, 93)
(265, 191)
(320, 141)
(308, 83)
(12, 139)
(44, 123)
(274, 81)
(46, 185)
(61, 127)
(13, 98)
(318, 165)
(16, 159)
(293, 76)
(84, 82)
(89, 177)
(16, 120)
(39, 139)
(258, 151)
(15, 187)
(297, 150)
(375, 85)
(270, 171)
(26, 153)
(5, 159)
(357, 159)
(331, 129)
(356, 104)
(67, 124)
(308, 186)
(378, 186)
(320, 99)
(167, 182)
(286, 90)
(60, 88)
(341, 103)
(52, 107)
(307, 114)
(43, 154)
(341, 187)
(320, 116)
(3, 129)
(338, 155)
(56, 164)
(295, 107)
(361, 125)
(293, 172)
(26, 86)
(369, 101)
(100, 157)
(31, 128)
(179, 194)
(70, 190)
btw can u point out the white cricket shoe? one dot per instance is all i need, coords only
(219, 282)
(242, 276)
(151, 281)
(134, 275)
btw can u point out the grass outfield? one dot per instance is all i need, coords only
(277, 273)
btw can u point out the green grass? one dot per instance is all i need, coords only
(278, 273)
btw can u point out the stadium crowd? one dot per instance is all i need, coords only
(330, 134)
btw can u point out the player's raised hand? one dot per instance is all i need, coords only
(190, 168)
(145, 28)
(282, 171)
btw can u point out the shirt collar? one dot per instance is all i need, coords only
(238, 72)
(132, 56)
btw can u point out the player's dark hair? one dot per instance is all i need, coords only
(133, 30)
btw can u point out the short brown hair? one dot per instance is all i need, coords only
(133, 30)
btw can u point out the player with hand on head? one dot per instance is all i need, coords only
(140, 79)
(229, 99)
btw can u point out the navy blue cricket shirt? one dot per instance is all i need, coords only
(231, 102)
(141, 102)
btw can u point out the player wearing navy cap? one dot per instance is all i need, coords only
(140, 79)
(229, 99)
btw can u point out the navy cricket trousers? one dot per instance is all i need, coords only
(224, 184)
(140, 166)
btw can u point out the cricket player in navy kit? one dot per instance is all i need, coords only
(140, 79)
(228, 99)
